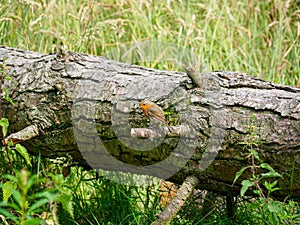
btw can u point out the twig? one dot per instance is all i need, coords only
(254, 175)
(178, 201)
(4, 220)
(146, 133)
(23, 135)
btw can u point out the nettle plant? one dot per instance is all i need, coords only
(266, 209)
(257, 180)
(26, 196)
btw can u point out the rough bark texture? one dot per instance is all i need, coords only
(59, 95)
(177, 202)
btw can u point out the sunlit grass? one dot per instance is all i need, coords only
(259, 38)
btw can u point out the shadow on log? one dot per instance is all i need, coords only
(88, 107)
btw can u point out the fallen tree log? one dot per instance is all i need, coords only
(88, 107)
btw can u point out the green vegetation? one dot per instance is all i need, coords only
(257, 37)
(267, 210)
(260, 38)
(251, 145)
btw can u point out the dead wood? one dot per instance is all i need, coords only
(87, 107)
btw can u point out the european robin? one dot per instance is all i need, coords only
(153, 111)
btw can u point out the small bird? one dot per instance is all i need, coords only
(153, 111)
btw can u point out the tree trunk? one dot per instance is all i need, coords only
(88, 107)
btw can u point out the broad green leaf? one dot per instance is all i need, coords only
(10, 177)
(46, 194)
(238, 174)
(36, 205)
(246, 184)
(67, 203)
(3, 204)
(6, 96)
(31, 181)
(267, 166)
(7, 189)
(270, 175)
(255, 154)
(10, 205)
(276, 189)
(33, 221)
(17, 196)
(7, 77)
(256, 192)
(4, 124)
(9, 215)
(23, 152)
(270, 185)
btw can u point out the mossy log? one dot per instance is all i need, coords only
(87, 107)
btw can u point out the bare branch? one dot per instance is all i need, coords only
(178, 201)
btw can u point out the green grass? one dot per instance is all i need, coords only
(257, 37)
(102, 201)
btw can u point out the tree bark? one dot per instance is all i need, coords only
(177, 202)
(88, 107)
